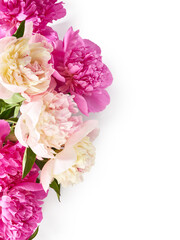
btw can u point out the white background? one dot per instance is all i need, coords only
(133, 192)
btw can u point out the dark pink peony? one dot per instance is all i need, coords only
(20, 199)
(79, 61)
(20, 210)
(40, 12)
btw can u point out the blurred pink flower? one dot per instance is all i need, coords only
(20, 210)
(79, 61)
(40, 12)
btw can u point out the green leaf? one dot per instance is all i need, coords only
(3, 106)
(12, 120)
(16, 111)
(37, 180)
(34, 234)
(20, 31)
(10, 107)
(28, 161)
(16, 98)
(7, 112)
(57, 188)
(41, 163)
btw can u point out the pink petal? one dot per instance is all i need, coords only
(13, 88)
(29, 186)
(4, 93)
(89, 128)
(50, 34)
(46, 174)
(38, 149)
(33, 110)
(64, 160)
(67, 38)
(40, 38)
(28, 29)
(108, 78)
(52, 85)
(97, 101)
(58, 76)
(25, 134)
(20, 132)
(92, 46)
(72, 39)
(81, 103)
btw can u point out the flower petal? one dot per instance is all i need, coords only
(64, 160)
(97, 101)
(4, 93)
(58, 76)
(89, 128)
(46, 176)
(21, 131)
(81, 103)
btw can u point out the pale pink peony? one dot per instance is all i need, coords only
(47, 122)
(79, 61)
(20, 210)
(25, 66)
(40, 12)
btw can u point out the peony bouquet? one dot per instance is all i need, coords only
(46, 86)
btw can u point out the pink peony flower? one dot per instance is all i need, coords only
(40, 12)
(20, 210)
(47, 122)
(79, 61)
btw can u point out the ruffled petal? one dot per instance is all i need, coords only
(97, 101)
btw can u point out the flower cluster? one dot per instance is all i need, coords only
(46, 86)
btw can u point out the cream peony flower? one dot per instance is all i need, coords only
(77, 157)
(85, 151)
(24, 65)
